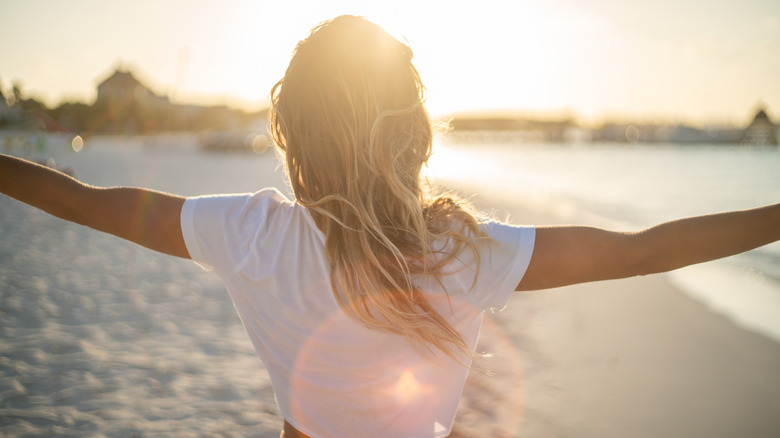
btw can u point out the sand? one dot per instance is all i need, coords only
(99, 337)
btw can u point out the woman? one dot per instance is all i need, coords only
(364, 296)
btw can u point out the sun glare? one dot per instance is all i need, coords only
(448, 163)
(407, 388)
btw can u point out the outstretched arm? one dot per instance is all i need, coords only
(146, 217)
(568, 255)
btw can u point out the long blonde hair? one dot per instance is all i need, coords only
(348, 116)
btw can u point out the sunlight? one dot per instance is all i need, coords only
(593, 59)
(407, 388)
(503, 60)
(513, 45)
(447, 163)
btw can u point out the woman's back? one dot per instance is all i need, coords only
(333, 375)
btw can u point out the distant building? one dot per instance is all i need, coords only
(127, 105)
(122, 88)
(761, 130)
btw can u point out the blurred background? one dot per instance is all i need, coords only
(605, 112)
(693, 62)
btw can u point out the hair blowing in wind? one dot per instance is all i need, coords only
(349, 118)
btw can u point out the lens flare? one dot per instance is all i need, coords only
(407, 388)
(77, 143)
(260, 144)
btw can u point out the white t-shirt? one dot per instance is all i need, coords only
(333, 376)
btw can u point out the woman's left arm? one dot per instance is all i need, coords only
(146, 217)
(569, 254)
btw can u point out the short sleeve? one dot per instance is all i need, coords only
(503, 263)
(217, 229)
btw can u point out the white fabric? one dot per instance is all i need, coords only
(332, 376)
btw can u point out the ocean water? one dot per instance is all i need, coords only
(632, 186)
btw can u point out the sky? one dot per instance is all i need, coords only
(696, 61)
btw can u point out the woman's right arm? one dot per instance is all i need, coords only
(146, 217)
(567, 255)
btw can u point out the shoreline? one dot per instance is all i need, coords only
(636, 357)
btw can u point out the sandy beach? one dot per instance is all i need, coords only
(99, 337)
